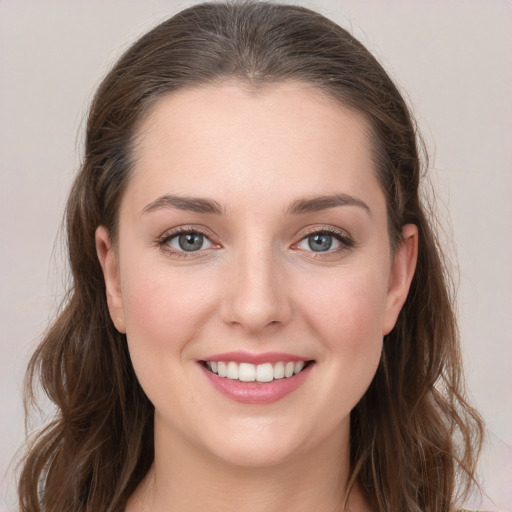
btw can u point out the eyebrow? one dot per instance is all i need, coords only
(297, 207)
(318, 203)
(191, 204)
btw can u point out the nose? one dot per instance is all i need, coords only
(257, 293)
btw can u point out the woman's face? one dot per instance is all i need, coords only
(253, 236)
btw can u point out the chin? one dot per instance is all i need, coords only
(256, 447)
(257, 456)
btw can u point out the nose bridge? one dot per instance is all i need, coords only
(257, 296)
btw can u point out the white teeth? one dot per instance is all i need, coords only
(288, 370)
(264, 373)
(247, 372)
(232, 371)
(221, 368)
(279, 370)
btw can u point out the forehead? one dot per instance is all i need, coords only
(284, 138)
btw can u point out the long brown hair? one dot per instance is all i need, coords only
(412, 434)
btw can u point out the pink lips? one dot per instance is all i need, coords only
(256, 392)
(247, 357)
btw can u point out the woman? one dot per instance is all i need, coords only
(260, 317)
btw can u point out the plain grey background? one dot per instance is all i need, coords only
(453, 60)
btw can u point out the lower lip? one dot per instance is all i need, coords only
(257, 392)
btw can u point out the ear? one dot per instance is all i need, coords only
(402, 272)
(109, 264)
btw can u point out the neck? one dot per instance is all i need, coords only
(186, 479)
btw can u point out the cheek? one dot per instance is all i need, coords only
(164, 311)
(349, 304)
(346, 313)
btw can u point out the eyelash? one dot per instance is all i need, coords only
(345, 240)
(163, 241)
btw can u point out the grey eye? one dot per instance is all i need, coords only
(320, 242)
(189, 242)
(323, 241)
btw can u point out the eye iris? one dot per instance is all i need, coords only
(320, 242)
(190, 241)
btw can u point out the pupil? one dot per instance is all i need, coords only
(320, 242)
(191, 241)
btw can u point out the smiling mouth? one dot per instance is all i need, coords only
(247, 372)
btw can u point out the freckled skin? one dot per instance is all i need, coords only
(256, 285)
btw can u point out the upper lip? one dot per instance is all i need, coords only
(239, 356)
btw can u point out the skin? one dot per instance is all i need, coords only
(255, 285)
